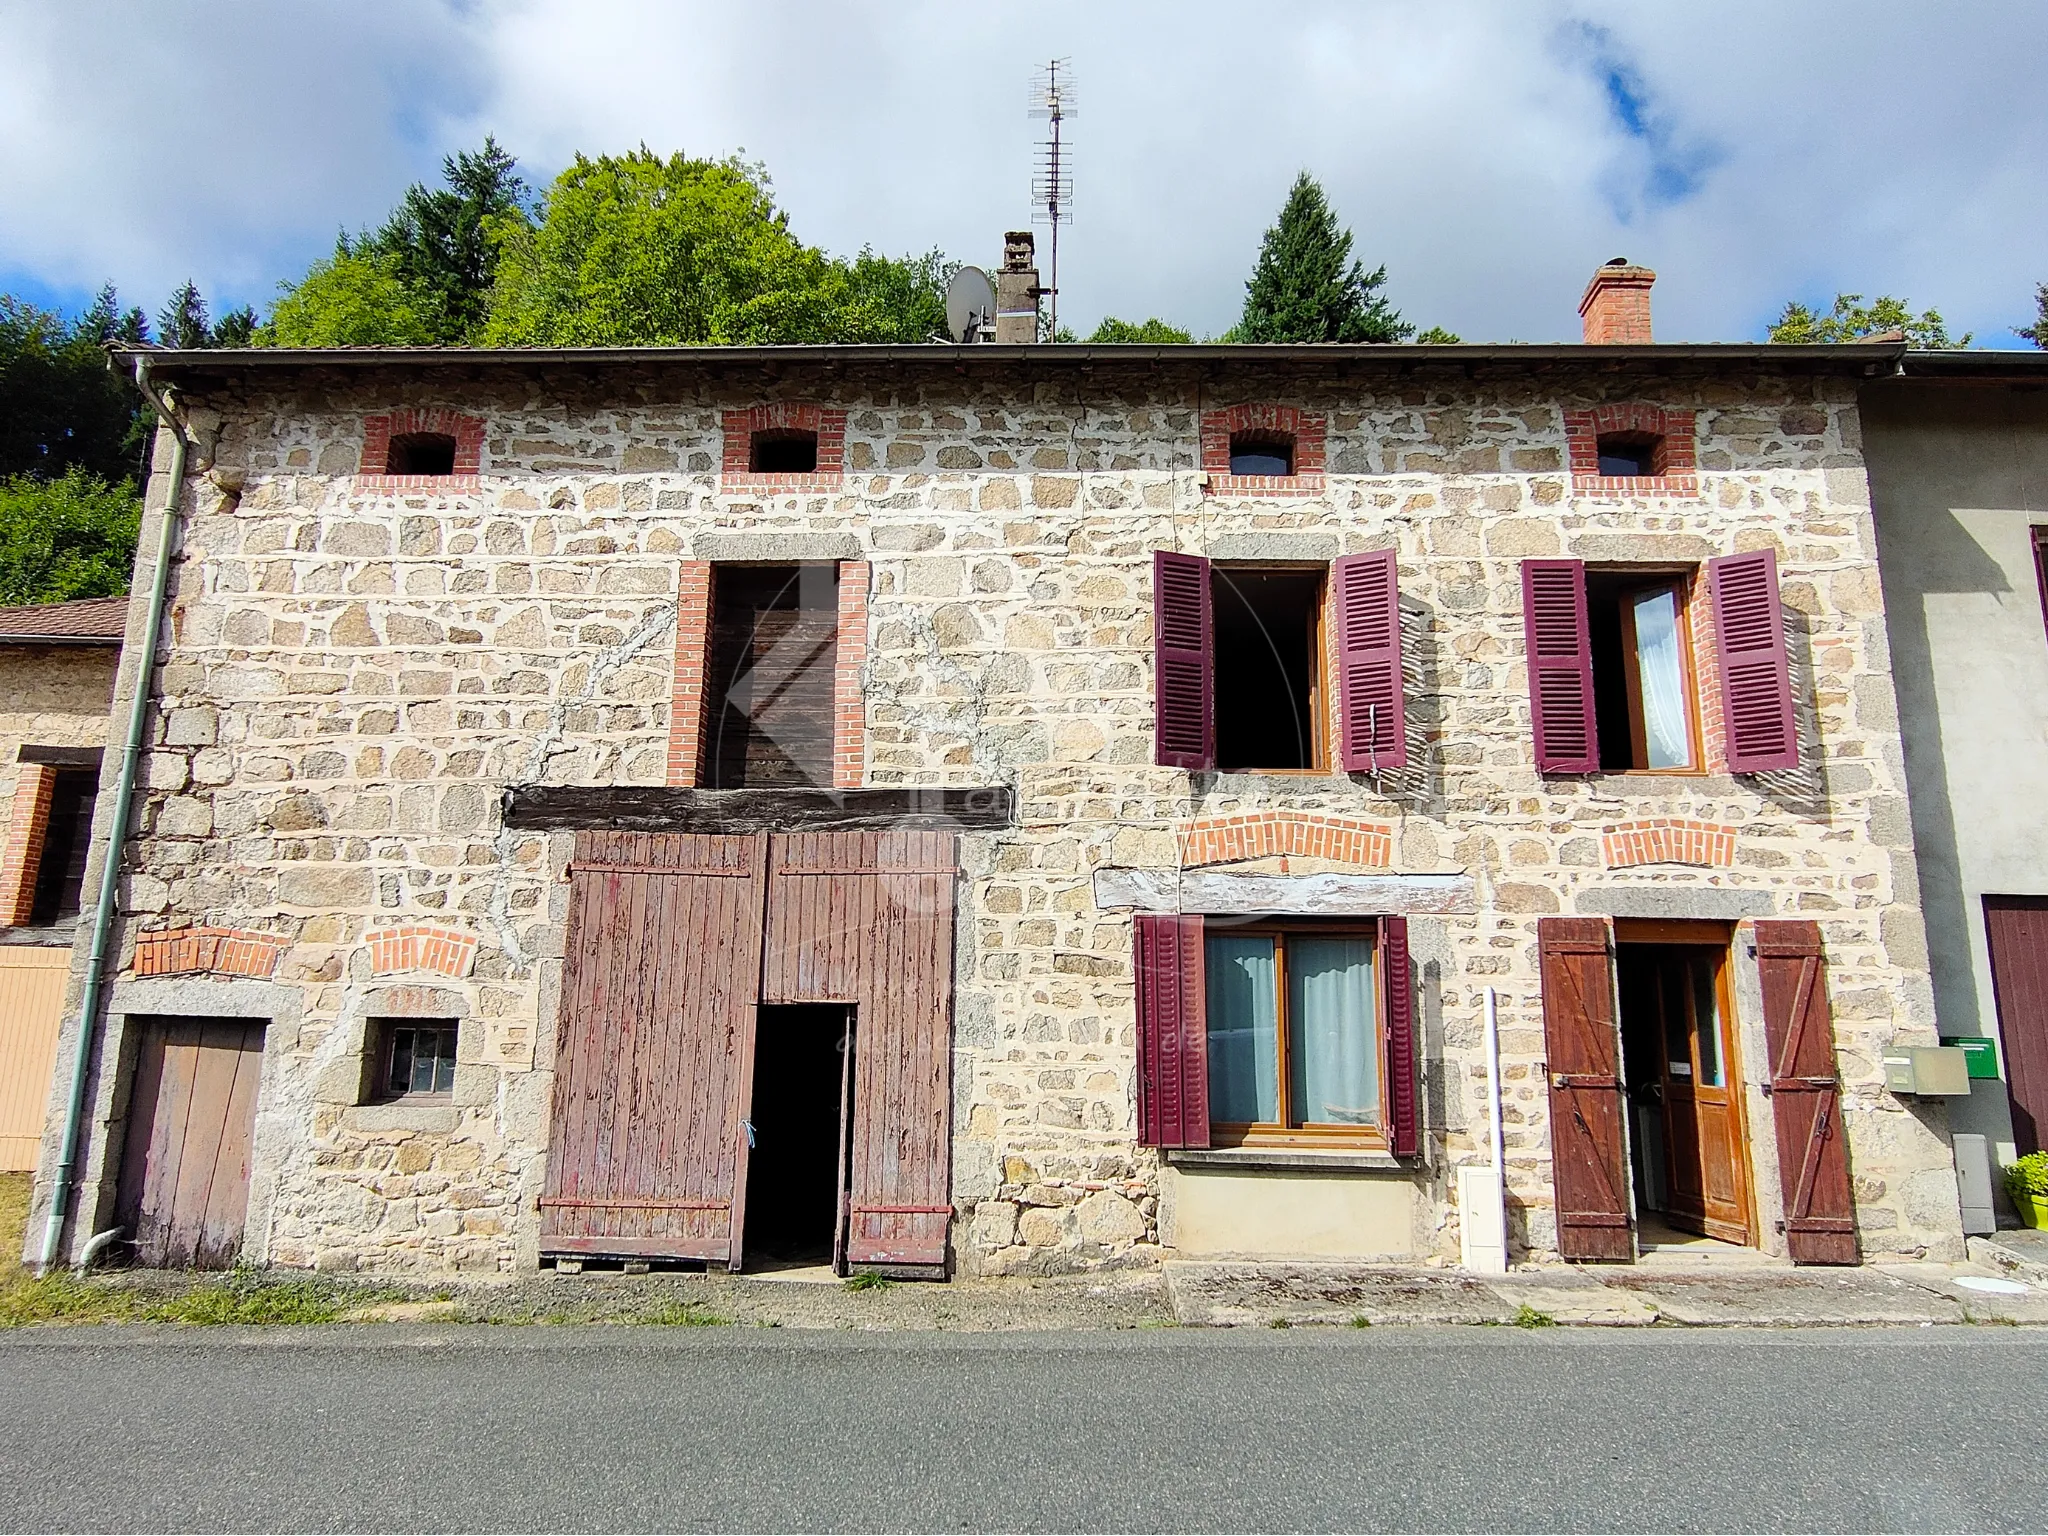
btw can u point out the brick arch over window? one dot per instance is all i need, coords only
(221, 951)
(1306, 430)
(1674, 469)
(1668, 840)
(421, 948)
(1261, 834)
(735, 472)
(374, 470)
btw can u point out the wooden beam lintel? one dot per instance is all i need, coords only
(647, 808)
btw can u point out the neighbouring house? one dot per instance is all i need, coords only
(1016, 808)
(1957, 445)
(57, 665)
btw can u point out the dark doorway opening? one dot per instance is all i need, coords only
(1687, 1146)
(799, 1134)
(1268, 646)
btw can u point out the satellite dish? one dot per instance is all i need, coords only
(970, 305)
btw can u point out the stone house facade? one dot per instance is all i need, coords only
(450, 753)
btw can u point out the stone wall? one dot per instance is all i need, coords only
(356, 676)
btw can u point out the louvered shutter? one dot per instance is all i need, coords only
(1404, 1114)
(1183, 685)
(1756, 677)
(1173, 1037)
(1560, 666)
(1371, 722)
(1806, 1097)
(1582, 1047)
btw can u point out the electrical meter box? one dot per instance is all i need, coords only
(1929, 1071)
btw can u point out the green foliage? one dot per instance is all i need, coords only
(243, 1296)
(2028, 1177)
(1155, 333)
(73, 536)
(679, 1314)
(637, 250)
(352, 299)
(1437, 336)
(61, 406)
(1852, 320)
(1307, 287)
(185, 323)
(1527, 1316)
(1361, 1321)
(2037, 333)
(867, 1280)
(437, 244)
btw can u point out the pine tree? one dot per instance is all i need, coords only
(2037, 333)
(438, 243)
(183, 321)
(1307, 287)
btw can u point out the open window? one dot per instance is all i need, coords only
(429, 454)
(1630, 455)
(42, 880)
(1268, 664)
(770, 690)
(782, 451)
(1279, 1033)
(1613, 685)
(411, 1060)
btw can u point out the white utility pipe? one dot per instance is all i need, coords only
(1500, 1151)
(117, 837)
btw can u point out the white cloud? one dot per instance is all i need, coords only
(1475, 148)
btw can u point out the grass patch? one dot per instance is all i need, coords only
(679, 1314)
(242, 1296)
(1361, 1322)
(867, 1280)
(1279, 1322)
(13, 1219)
(1527, 1316)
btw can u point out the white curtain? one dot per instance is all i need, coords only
(1244, 1039)
(1668, 736)
(1334, 1047)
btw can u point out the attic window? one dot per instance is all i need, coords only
(783, 451)
(1630, 455)
(422, 453)
(1261, 453)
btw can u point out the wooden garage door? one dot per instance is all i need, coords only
(658, 1005)
(184, 1187)
(867, 918)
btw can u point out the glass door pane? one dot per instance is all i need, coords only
(1333, 1048)
(1706, 1013)
(1244, 1030)
(1667, 726)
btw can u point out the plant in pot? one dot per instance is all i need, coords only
(2026, 1180)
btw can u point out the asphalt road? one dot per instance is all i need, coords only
(438, 1428)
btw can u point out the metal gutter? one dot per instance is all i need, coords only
(117, 835)
(12, 639)
(1846, 358)
(2018, 363)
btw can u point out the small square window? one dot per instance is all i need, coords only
(783, 451)
(1629, 455)
(422, 453)
(1261, 453)
(412, 1059)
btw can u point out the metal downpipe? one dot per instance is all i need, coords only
(117, 840)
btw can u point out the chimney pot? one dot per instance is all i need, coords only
(1615, 310)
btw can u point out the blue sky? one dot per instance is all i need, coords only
(1491, 154)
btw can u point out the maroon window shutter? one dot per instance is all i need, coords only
(1813, 1157)
(1404, 1116)
(1560, 666)
(1582, 1047)
(1372, 730)
(1183, 662)
(1173, 1033)
(1756, 677)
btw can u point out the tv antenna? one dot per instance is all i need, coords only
(1052, 185)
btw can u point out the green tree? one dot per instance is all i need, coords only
(1437, 336)
(1852, 320)
(73, 536)
(2037, 333)
(1307, 287)
(185, 322)
(637, 250)
(352, 299)
(1147, 332)
(438, 245)
(61, 406)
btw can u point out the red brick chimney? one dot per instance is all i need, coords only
(1616, 308)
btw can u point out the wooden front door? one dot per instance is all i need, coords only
(184, 1188)
(867, 918)
(1674, 1000)
(1589, 1168)
(2017, 927)
(654, 1046)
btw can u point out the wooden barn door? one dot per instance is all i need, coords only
(184, 1188)
(2017, 928)
(659, 991)
(1806, 1094)
(1588, 1158)
(867, 918)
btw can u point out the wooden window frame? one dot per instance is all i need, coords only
(384, 1044)
(1683, 581)
(1322, 758)
(1227, 1134)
